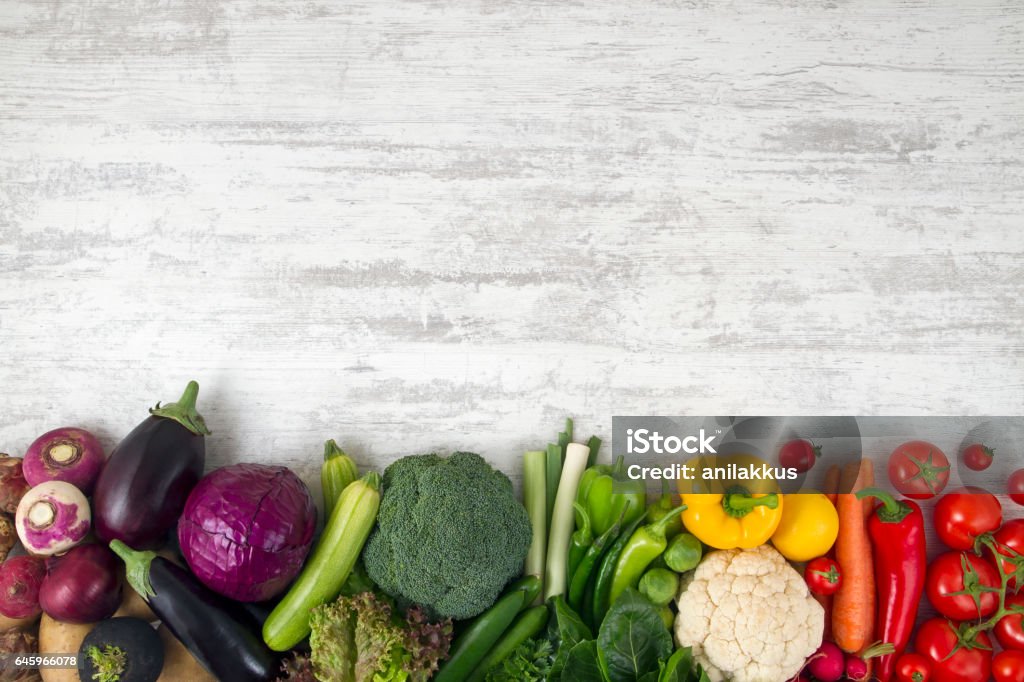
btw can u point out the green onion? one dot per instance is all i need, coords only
(595, 445)
(535, 501)
(563, 520)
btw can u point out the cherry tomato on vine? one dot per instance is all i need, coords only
(1008, 666)
(913, 668)
(918, 469)
(1009, 631)
(799, 454)
(1010, 540)
(1015, 486)
(963, 586)
(961, 516)
(977, 457)
(937, 640)
(823, 576)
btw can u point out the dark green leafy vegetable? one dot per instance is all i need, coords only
(568, 631)
(632, 639)
(531, 662)
(678, 668)
(582, 665)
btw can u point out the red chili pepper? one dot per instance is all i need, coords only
(896, 529)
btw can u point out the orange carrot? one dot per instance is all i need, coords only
(853, 609)
(865, 479)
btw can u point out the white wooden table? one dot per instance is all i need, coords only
(447, 225)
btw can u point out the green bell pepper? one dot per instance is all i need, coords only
(607, 494)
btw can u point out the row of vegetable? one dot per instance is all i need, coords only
(434, 569)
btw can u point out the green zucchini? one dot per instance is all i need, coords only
(477, 639)
(328, 567)
(527, 625)
(338, 471)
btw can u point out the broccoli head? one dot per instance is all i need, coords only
(450, 534)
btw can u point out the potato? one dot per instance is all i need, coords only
(8, 535)
(179, 664)
(61, 638)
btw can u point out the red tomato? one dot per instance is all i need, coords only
(919, 470)
(1015, 486)
(1009, 630)
(977, 457)
(936, 639)
(1010, 538)
(799, 454)
(1008, 666)
(954, 572)
(913, 668)
(963, 515)
(823, 576)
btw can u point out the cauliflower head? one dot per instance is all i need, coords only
(748, 616)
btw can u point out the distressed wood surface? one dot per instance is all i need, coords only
(447, 225)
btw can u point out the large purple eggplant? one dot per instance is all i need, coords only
(143, 486)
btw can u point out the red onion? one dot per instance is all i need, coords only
(66, 454)
(20, 578)
(52, 518)
(82, 586)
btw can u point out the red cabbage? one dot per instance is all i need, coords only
(246, 530)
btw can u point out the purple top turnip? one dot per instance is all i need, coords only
(20, 578)
(66, 454)
(52, 518)
(246, 530)
(82, 586)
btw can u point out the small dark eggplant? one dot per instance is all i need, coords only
(143, 486)
(121, 650)
(223, 637)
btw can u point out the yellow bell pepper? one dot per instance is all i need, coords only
(809, 527)
(734, 519)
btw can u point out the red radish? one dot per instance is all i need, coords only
(827, 663)
(799, 454)
(66, 454)
(856, 668)
(52, 518)
(13, 485)
(82, 586)
(20, 578)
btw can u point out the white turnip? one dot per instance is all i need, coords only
(52, 518)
